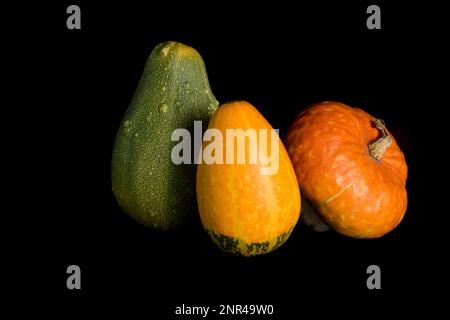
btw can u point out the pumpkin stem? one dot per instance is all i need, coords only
(378, 147)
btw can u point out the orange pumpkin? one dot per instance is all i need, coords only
(244, 211)
(349, 168)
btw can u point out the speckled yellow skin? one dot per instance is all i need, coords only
(243, 211)
(172, 93)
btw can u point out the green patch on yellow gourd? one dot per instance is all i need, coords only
(236, 246)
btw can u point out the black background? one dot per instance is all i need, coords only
(279, 57)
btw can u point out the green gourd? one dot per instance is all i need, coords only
(172, 93)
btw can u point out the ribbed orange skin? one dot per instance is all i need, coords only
(328, 146)
(235, 200)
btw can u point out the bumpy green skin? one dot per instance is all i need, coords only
(172, 93)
